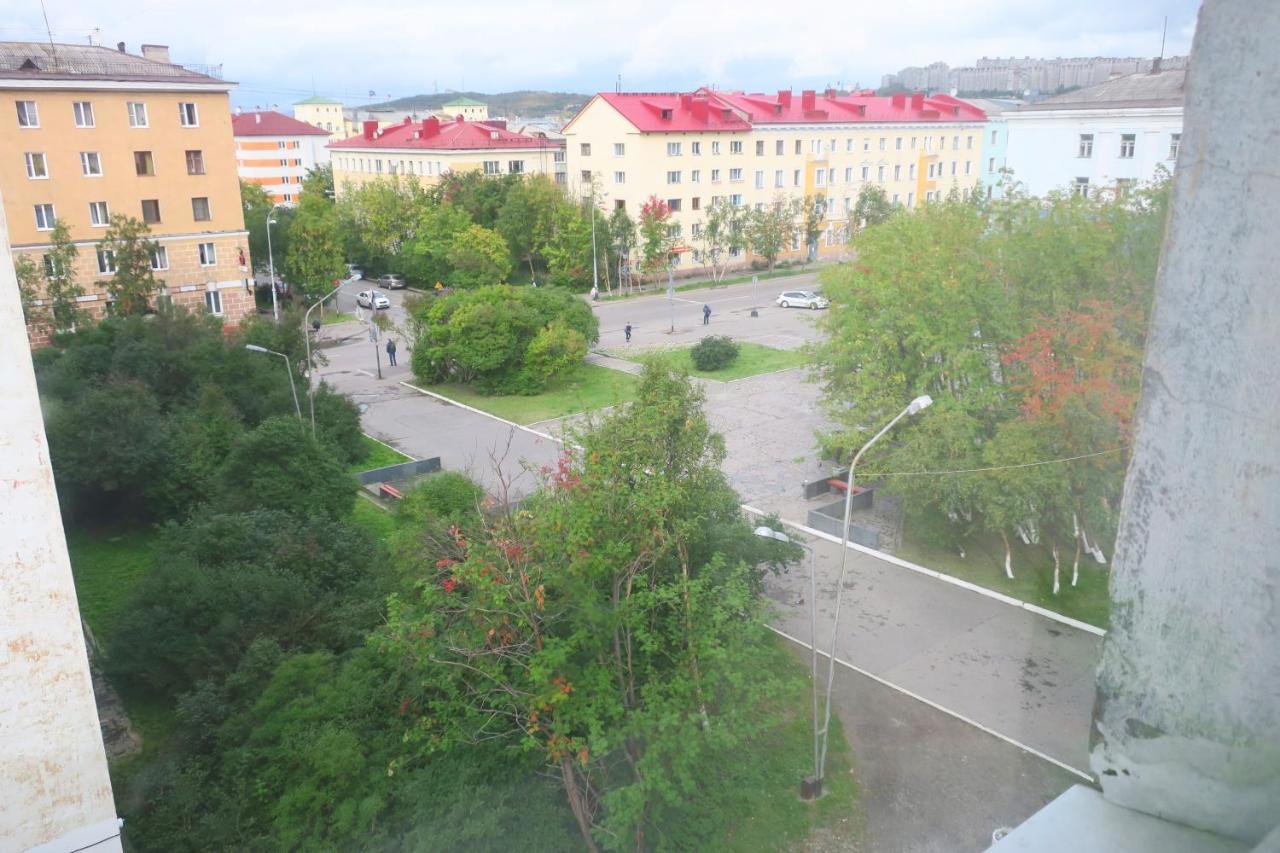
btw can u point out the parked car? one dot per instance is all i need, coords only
(802, 299)
(354, 273)
(372, 299)
(391, 281)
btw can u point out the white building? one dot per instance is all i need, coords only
(1101, 137)
(275, 152)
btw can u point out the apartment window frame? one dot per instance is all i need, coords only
(1084, 146)
(695, 148)
(715, 147)
(848, 174)
(152, 204)
(188, 114)
(106, 261)
(673, 176)
(45, 216)
(619, 177)
(759, 179)
(195, 164)
(695, 176)
(195, 209)
(735, 146)
(99, 214)
(213, 302)
(779, 178)
(28, 114)
(674, 149)
(515, 167)
(88, 159)
(83, 113)
(674, 205)
(759, 147)
(879, 174)
(1128, 145)
(1175, 145)
(30, 159)
(493, 167)
(160, 258)
(715, 176)
(207, 254)
(619, 149)
(1080, 187)
(144, 164)
(866, 173)
(137, 111)
(735, 176)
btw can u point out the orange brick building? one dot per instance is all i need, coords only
(275, 152)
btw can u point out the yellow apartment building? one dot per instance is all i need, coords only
(275, 152)
(469, 108)
(428, 149)
(87, 132)
(327, 114)
(694, 150)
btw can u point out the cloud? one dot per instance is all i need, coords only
(283, 50)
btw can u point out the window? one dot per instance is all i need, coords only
(735, 200)
(695, 203)
(795, 177)
(673, 204)
(37, 168)
(942, 143)
(799, 146)
(619, 177)
(759, 179)
(98, 214)
(137, 114)
(866, 144)
(1081, 187)
(377, 166)
(695, 230)
(1128, 142)
(493, 167)
(815, 146)
(84, 113)
(991, 164)
(200, 209)
(195, 162)
(44, 217)
(208, 254)
(911, 172)
(27, 115)
(882, 143)
(931, 168)
(897, 173)
(187, 114)
(967, 165)
(955, 143)
(820, 178)
(779, 178)
(51, 268)
(1122, 186)
(897, 144)
(735, 147)
(284, 164)
(928, 196)
(586, 176)
(880, 174)
(673, 149)
(866, 172)
(715, 148)
(159, 257)
(848, 174)
(673, 177)
(715, 176)
(106, 261)
(695, 148)
(735, 175)
(695, 176)
(928, 143)
(953, 167)
(1175, 142)
(557, 157)
(91, 164)
(911, 199)
(143, 163)
(150, 211)
(779, 148)
(1086, 145)
(848, 144)
(515, 167)
(213, 301)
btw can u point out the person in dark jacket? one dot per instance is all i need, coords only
(706, 315)
(391, 351)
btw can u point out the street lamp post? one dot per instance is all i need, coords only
(595, 265)
(917, 405)
(306, 340)
(288, 369)
(811, 788)
(271, 266)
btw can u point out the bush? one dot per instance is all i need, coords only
(447, 495)
(714, 352)
(279, 466)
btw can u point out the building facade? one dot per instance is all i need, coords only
(428, 149)
(709, 147)
(1100, 138)
(327, 114)
(87, 132)
(995, 144)
(276, 152)
(468, 108)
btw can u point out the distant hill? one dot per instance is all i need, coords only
(526, 104)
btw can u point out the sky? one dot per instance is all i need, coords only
(283, 50)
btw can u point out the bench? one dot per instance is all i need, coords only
(387, 490)
(842, 486)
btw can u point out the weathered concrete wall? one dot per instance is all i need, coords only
(1188, 711)
(54, 788)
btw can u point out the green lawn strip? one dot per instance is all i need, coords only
(756, 794)
(378, 521)
(983, 564)
(753, 360)
(107, 564)
(590, 387)
(331, 317)
(380, 456)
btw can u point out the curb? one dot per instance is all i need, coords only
(961, 717)
(453, 402)
(389, 447)
(954, 581)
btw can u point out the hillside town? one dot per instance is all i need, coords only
(730, 467)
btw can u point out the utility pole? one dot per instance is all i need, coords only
(373, 336)
(671, 293)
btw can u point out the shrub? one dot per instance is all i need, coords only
(279, 466)
(447, 495)
(714, 352)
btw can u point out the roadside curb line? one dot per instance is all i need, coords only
(945, 578)
(390, 447)
(961, 717)
(453, 402)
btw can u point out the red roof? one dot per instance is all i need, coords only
(710, 110)
(435, 135)
(271, 123)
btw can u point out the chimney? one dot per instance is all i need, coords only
(898, 100)
(784, 98)
(370, 128)
(430, 127)
(686, 101)
(156, 53)
(120, 47)
(257, 118)
(917, 101)
(808, 100)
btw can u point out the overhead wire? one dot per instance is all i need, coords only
(875, 474)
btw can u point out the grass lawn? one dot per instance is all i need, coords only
(331, 317)
(107, 565)
(1033, 574)
(378, 521)
(591, 387)
(380, 456)
(753, 359)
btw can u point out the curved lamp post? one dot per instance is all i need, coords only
(288, 369)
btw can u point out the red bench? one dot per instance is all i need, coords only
(387, 490)
(838, 485)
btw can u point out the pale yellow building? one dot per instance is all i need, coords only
(428, 149)
(469, 108)
(707, 147)
(326, 114)
(87, 132)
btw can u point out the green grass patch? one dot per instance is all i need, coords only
(329, 318)
(983, 564)
(380, 456)
(591, 387)
(373, 518)
(107, 565)
(753, 360)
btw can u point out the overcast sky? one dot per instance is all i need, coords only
(283, 50)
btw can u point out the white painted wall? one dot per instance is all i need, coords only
(1044, 145)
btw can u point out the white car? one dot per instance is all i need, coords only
(802, 299)
(372, 299)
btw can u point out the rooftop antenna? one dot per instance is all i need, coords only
(617, 87)
(1163, 32)
(53, 51)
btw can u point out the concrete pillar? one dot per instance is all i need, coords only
(55, 794)
(1188, 707)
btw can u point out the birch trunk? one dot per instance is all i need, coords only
(1075, 564)
(1057, 568)
(1008, 556)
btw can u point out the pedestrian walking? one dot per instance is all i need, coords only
(627, 329)
(391, 351)
(706, 315)
(595, 293)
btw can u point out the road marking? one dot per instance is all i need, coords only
(945, 578)
(961, 717)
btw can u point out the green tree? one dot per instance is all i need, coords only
(424, 255)
(873, 206)
(528, 218)
(29, 289)
(771, 229)
(315, 256)
(622, 240)
(133, 282)
(811, 209)
(655, 236)
(478, 257)
(60, 287)
(725, 228)
(279, 465)
(318, 181)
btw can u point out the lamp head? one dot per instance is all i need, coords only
(255, 348)
(919, 404)
(770, 533)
